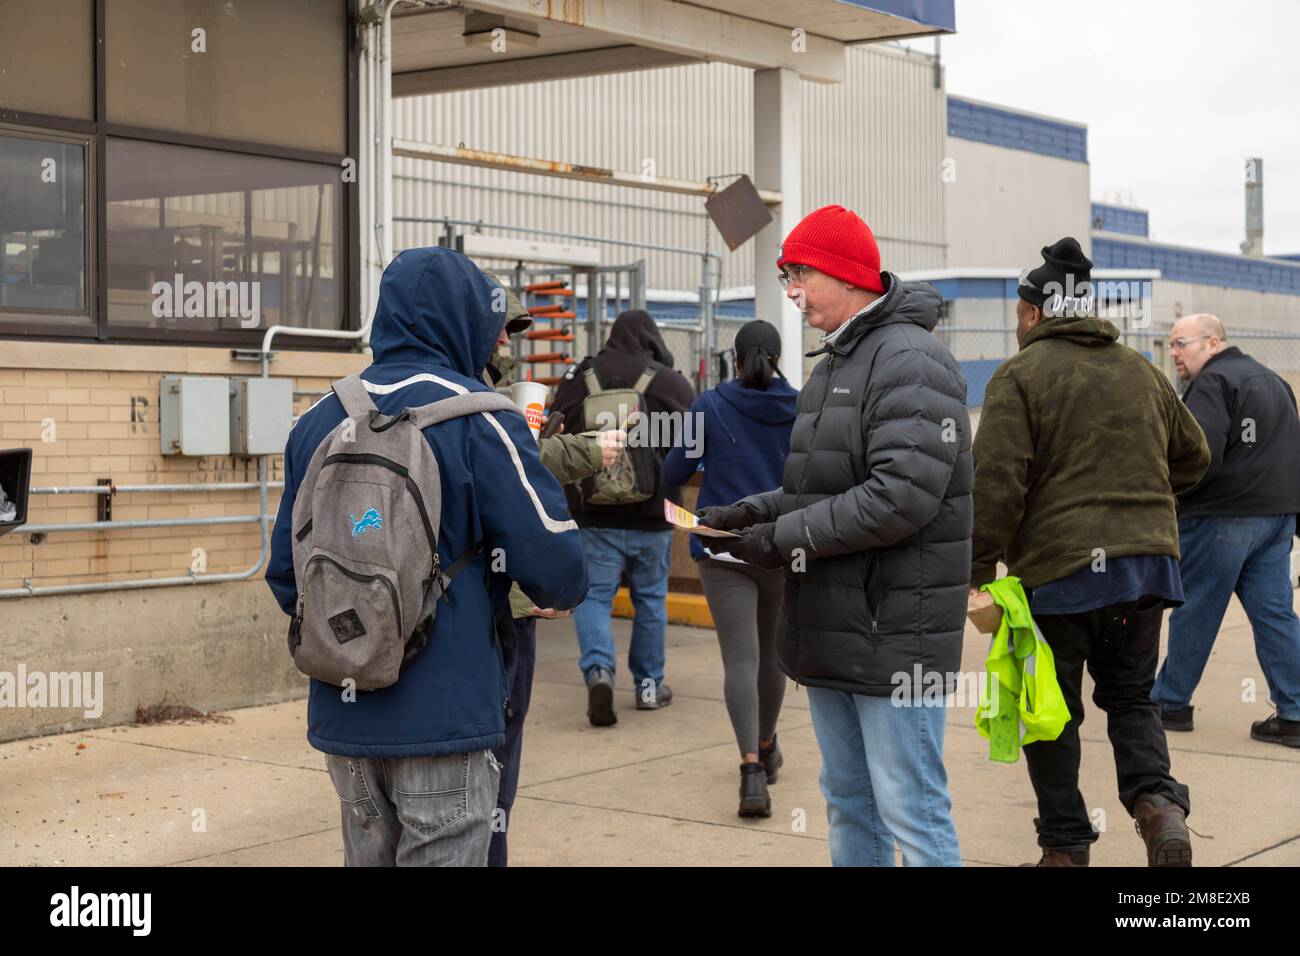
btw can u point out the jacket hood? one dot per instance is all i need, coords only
(916, 303)
(775, 405)
(1082, 329)
(635, 332)
(435, 308)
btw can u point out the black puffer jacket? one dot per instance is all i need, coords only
(877, 494)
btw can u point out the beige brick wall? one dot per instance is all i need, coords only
(90, 412)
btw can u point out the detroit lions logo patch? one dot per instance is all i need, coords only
(370, 521)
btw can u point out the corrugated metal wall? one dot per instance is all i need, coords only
(874, 144)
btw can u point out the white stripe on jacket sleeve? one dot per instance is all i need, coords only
(549, 523)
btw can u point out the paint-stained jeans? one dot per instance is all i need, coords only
(416, 811)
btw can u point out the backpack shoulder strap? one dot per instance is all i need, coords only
(589, 376)
(643, 382)
(458, 405)
(356, 400)
(441, 580)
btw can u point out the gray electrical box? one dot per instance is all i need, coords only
(261, 414)
(194, 415)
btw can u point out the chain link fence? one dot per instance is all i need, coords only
(980, 349)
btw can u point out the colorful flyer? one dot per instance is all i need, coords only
(679, 517)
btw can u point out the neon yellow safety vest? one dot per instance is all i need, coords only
(1021, 690)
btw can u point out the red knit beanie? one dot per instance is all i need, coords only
(837, 242)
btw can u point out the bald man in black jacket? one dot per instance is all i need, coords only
(1235, 527)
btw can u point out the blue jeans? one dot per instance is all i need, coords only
(645, 555)
(884, 780)
(1250, 556)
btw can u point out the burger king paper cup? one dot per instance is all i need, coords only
(531, 399)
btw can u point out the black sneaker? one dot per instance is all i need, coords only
(600, 699)
(771, 759)
(1275, 730)
(1176, 719)
(654, 700)
(754, 798)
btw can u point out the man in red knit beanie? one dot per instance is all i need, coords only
(873, 526)
(833, 263)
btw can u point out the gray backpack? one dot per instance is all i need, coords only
(365, 540)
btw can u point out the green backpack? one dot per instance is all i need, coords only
(634, 476)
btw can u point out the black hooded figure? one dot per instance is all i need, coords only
(633, 343)
(629, 537)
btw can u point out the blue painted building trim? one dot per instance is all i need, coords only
(998, 127)
(1193, 265)
(975, 288)
(931, 13)
(1131, 222)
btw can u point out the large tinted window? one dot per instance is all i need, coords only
(47, 62)
(258, 71)
(190, 228)
(196, 187)
(42, 228)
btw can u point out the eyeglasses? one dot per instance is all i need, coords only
(1181, 344)
(795, 273)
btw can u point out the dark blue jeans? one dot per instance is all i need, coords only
(1251, 557)
(511, 752)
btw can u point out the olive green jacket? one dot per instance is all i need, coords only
(1081, 447)
(569, 458)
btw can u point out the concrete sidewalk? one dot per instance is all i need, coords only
(659, 788)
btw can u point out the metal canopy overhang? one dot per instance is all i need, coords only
(554, 39)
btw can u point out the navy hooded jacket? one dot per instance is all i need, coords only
(743, 440)
(434, 329)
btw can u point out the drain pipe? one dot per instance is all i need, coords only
(377, 136)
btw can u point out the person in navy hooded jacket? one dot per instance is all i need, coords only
(744, 427)
(412, 762)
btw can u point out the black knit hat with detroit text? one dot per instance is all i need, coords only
(1065, 272)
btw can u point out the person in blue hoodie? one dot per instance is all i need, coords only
(412, 763)
(745, 435)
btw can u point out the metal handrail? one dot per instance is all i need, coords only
(264, 522)
(129, 489)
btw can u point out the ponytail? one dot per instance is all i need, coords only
(756, 368)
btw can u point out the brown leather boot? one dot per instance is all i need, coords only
(1162, 824)
(1062, 858)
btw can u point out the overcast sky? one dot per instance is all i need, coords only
(1176, 94)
